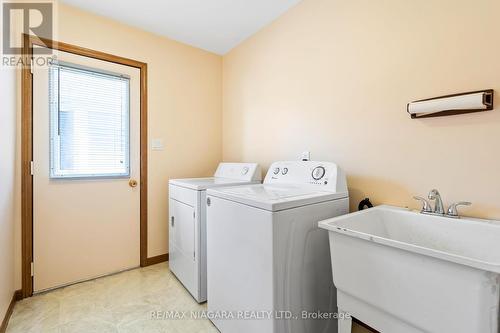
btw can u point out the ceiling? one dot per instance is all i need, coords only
(213, 25)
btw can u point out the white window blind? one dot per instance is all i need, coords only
(89, 122)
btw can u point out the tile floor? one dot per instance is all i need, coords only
(121, 303)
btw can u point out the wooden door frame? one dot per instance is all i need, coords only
(27, 149)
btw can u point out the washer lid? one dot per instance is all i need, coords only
(275, 197)
(200, 184)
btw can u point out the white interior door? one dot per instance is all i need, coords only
(86, 152)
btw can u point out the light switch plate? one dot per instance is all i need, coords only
(157, 144)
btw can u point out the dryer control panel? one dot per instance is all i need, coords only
(326, 175)
(242, 171)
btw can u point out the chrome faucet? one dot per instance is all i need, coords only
(438, 206)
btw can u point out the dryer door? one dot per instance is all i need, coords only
(182, 243)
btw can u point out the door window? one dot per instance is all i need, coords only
(89, 122)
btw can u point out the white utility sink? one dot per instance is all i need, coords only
(401, 271)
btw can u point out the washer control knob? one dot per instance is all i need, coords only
(284, 171)
(244, 171)
(276, 171)
(318, 173)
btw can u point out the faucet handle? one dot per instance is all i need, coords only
(452, 210)
(426, 206)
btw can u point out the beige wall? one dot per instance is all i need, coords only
(334, 77)
(329, 76)
(184, 96)
(7, 189)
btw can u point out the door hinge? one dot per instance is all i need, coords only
(32, 269)
(194, 215)
(32, 168)
(32, 63)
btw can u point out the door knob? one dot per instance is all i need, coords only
(132, 183)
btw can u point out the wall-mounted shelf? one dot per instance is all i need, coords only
(475, 101)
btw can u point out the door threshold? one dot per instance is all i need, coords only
(43, 291)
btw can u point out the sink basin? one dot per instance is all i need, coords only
(401, 271)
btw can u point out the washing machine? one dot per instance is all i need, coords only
(187, 231)
(268, 262)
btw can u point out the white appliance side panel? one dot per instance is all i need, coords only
(172, 249)
(240, 264)
(201, 253)
(303, 274)
(182, 244)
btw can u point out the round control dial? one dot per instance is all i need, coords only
(245, 170)
(318, 172)
(284, 171)
(276, 171)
